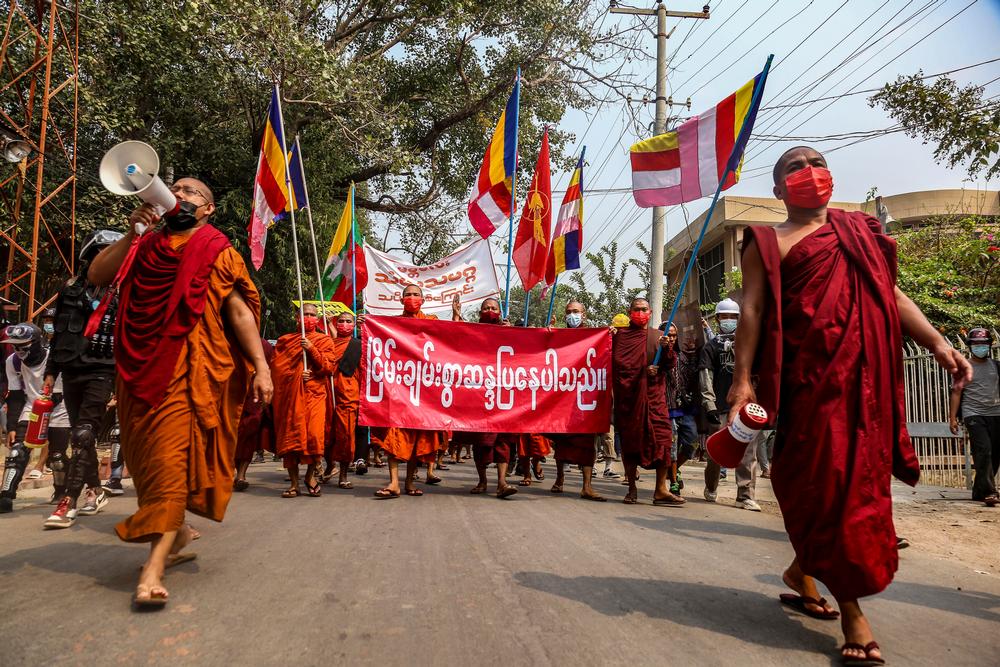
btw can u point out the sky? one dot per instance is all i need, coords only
(712, 59)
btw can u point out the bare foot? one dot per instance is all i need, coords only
(806, 587)
(150, 591)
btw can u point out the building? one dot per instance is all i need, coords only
(720, 251)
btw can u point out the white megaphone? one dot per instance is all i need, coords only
(131, 168)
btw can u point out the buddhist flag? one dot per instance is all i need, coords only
(567, 244)
(490, 202)
(345, 273)
(297, 175)
(531, 247)
(688, 163)
(270, 193)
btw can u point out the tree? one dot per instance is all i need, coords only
(951, 270)
(613, 296)
(964, 126)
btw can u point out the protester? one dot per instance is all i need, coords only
(682, 399)
(640, 403)
(822, 324)
(302, 367)
(47, 323)
(25, 372)
(256, 431)
(186, 340)
(715, 369)
(979, 402)
(86, 366)
(347, 397)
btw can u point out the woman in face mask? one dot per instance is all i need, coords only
(980, 405)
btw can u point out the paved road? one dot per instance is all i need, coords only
(454, 579)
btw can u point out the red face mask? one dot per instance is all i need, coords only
(639, 318)
(311, 323)
(810, 187)
(411, 304)
(489, 316)
(344, 329)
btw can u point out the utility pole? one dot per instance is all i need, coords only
(659, 127)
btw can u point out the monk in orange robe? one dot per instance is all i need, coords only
(532, 449)
(186, 341)
(255, 432)
(821, 327)
(408, 444)
(347, 396)
(302, 367)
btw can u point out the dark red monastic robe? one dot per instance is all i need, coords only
(640, 401)
(830, 365)
(256, 430)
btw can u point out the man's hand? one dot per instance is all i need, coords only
(307, 375)
(263, 389)
(11, 438)
(145, 215)
(306, 343)
(456, 308)
(505, 323)
(664, 343)
(48, 384)
(740, 394)
(953, 425)
(652, 370)
(360, 319)
(951, 360)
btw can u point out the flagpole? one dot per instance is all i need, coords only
(527, 303)
(354, 265)
(552, 301)
(295, 238)
(757, 92)
(513, 199)
(312, 235)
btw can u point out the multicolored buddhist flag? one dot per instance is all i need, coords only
(688, 163)
(490, 201)
(531, 247)
(567, 244)
(297, 175)
(270, 193)
(345, 273)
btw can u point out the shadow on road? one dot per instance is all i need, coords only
(696, 528)
(114, 566)
(746, 615)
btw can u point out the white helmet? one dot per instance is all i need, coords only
(727, 307)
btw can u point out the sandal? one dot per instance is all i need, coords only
(630, 500)
(537, 472)
(314, 491)
(241, 485)
(153, 601)
(799, 602)
(595, 498)
(414, 492)
(867, 661)
(556, 488)
(669, 501)
(479, 488)
(345, 485)
(290, 493)
(386, 494)
(524, 482)
(433, 480)
(506, 492)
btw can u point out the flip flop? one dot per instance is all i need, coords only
(537, 472)
(868, 660)
(630, 500)
(799, 602)
(386, 494)
(241, 485)
(345, 485)
(173, 560)
(524, 482)
(506, 492)
(596, 499)
(476, 490)
(152, 602)
(434, 480)
(556, 488)
(290, 493)
(314, 491)
(414, 492)
(669, 502)
(442, 466)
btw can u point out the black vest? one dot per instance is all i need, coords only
(71, 349)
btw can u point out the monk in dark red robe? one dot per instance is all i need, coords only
(301, 393)
(532, 449)
(186, 341)
(640, 403)
(822, 325)
(255, 433)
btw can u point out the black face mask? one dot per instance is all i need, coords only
(184, 219)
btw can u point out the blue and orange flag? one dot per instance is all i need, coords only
(491, 198)
(297, 176)
(270, 193)
(568, 242)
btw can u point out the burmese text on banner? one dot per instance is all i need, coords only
(468, 272)
(433, 374)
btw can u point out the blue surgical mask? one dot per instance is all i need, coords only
(727, 326)
(48, 328)
(573, 320)
(981, 351)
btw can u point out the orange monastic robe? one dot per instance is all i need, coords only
(410, 443)
(300, 407)
(181, 452)
(347, 392)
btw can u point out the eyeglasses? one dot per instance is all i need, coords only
(189, 191)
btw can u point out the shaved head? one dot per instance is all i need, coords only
(413, 290)
(197, 184)
(795, 159)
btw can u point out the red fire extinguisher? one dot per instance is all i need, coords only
(38, 421)
(727, 447)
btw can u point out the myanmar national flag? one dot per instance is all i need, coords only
(688, 163)
(270, 193)
(345, 273)
(568, 241)
(491, 198)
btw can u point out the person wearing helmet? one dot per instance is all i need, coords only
(715, 377)
(25, 371)
(86, 366)
(47, 322)
(979, 402)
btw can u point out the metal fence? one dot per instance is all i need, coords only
(945, 459)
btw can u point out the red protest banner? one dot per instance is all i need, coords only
(433, 374)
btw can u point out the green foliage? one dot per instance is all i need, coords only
(952, 272)
(538, 308)
(964, 126)
(611, 277)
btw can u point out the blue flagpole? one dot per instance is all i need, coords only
(354, 263)
(755, 100)
(552, 300)
(513, 199)
(527, 303)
